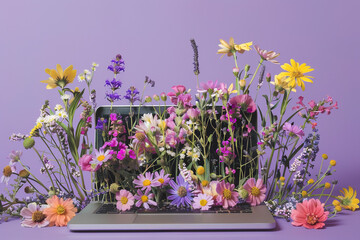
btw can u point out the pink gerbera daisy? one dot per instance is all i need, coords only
(256, 190)
(203, 202)
(310, 214)
(145, 199)
(125, 200)
(146, 182)
(33, 216)
(227, 197)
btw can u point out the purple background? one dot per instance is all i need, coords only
(153, 37)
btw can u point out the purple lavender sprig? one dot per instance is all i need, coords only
(118, 64)
(132, 94)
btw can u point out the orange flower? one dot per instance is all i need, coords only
(60, 212)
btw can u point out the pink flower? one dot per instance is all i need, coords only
(145, 199)
(185, 99)
(179, 89)
(227, 197)
(146, 182)
(203, 202)
(310, 214)
(121, 154)
(85, 163)
(193, 113)
(125, 200)
(33, 216)
(267, 55)
(208, 86)
(113, 117)
(256, 190)
(245, 101)
(162, 178)
(293, 130)
(228, 170)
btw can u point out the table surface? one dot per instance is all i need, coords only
(345, 224)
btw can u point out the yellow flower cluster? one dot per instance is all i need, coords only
(347, 201)
(36, 127)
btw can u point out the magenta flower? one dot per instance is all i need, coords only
(193, 113)
(267, 55)
(33, 216)
(179, 89)
(185, 100)
(171, 138)
(121, 154)
(146, 182)
(227, 196)
(208, 86)
(162, 178)
(292, 130)
(113, 117)
(309, 214)
(203, 202)
(144, 199)
(125, 200)
(256, 190)
(244, 101)
(85, 163)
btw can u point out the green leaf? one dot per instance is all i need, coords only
(263, 120)
(74, 106)
(78, 132)
(296, 151)
(284, 103)
(273, 107)
(289, 118)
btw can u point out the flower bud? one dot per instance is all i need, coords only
(243, 193)
(268, 77)
(28, 143)
(213, 175)
(242, 83)
(29, 189)
(156, 97)
(163, 96)
(200, 170)
(114, 188)
(24, 173)
(148, 99)
(247, 68)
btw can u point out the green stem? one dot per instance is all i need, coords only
(253, 77)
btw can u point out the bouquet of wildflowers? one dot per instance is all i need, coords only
(195, 151)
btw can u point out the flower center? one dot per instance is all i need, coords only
(203, 202)
(255, 191)
(182, 192)
(146, 182)
(227, 194)
(101, 158)
(38, 216)
(7, 171)
(124, 200)
(297, 74)
(311, 219)
(161, 180)
(144, 198)
(140, 136)
(204, 183)
(60, 210)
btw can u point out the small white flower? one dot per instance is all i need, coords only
(161, 149)
(81, 77)
(40, 120)
(58, 107)
(65, 97)
(94, 66)
(87, 72)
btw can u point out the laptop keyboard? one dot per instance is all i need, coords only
(110, 208)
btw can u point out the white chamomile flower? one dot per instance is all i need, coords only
(40, 120)
(87, 72)
(81, 77)
(65, 97)
(58, 107)
(94, 66)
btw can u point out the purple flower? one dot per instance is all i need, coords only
(101, 123)
(180, 192)
(111, 97)
(14, 156)
(162, 178)
(118, 65)
(132, 95)
(145, 199)
(114, 84)
(293, 130)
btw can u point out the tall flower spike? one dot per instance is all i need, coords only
(196, 56)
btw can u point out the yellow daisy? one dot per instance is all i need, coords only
(349, 200)
(59, 77)
(296, 74)
(229, 48)
(281, 84)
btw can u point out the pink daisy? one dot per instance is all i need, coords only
(125, 200)
(145, 199)
(310, 214)
(33, 216)
(100, 157)
(146, 182)
(162, 178)
(203, 202)
(244, 101)
(256, 190)
(293, 130)
(227, 197)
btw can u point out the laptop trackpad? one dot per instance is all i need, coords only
(181, 218)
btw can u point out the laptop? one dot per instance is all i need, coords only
(104, 216)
